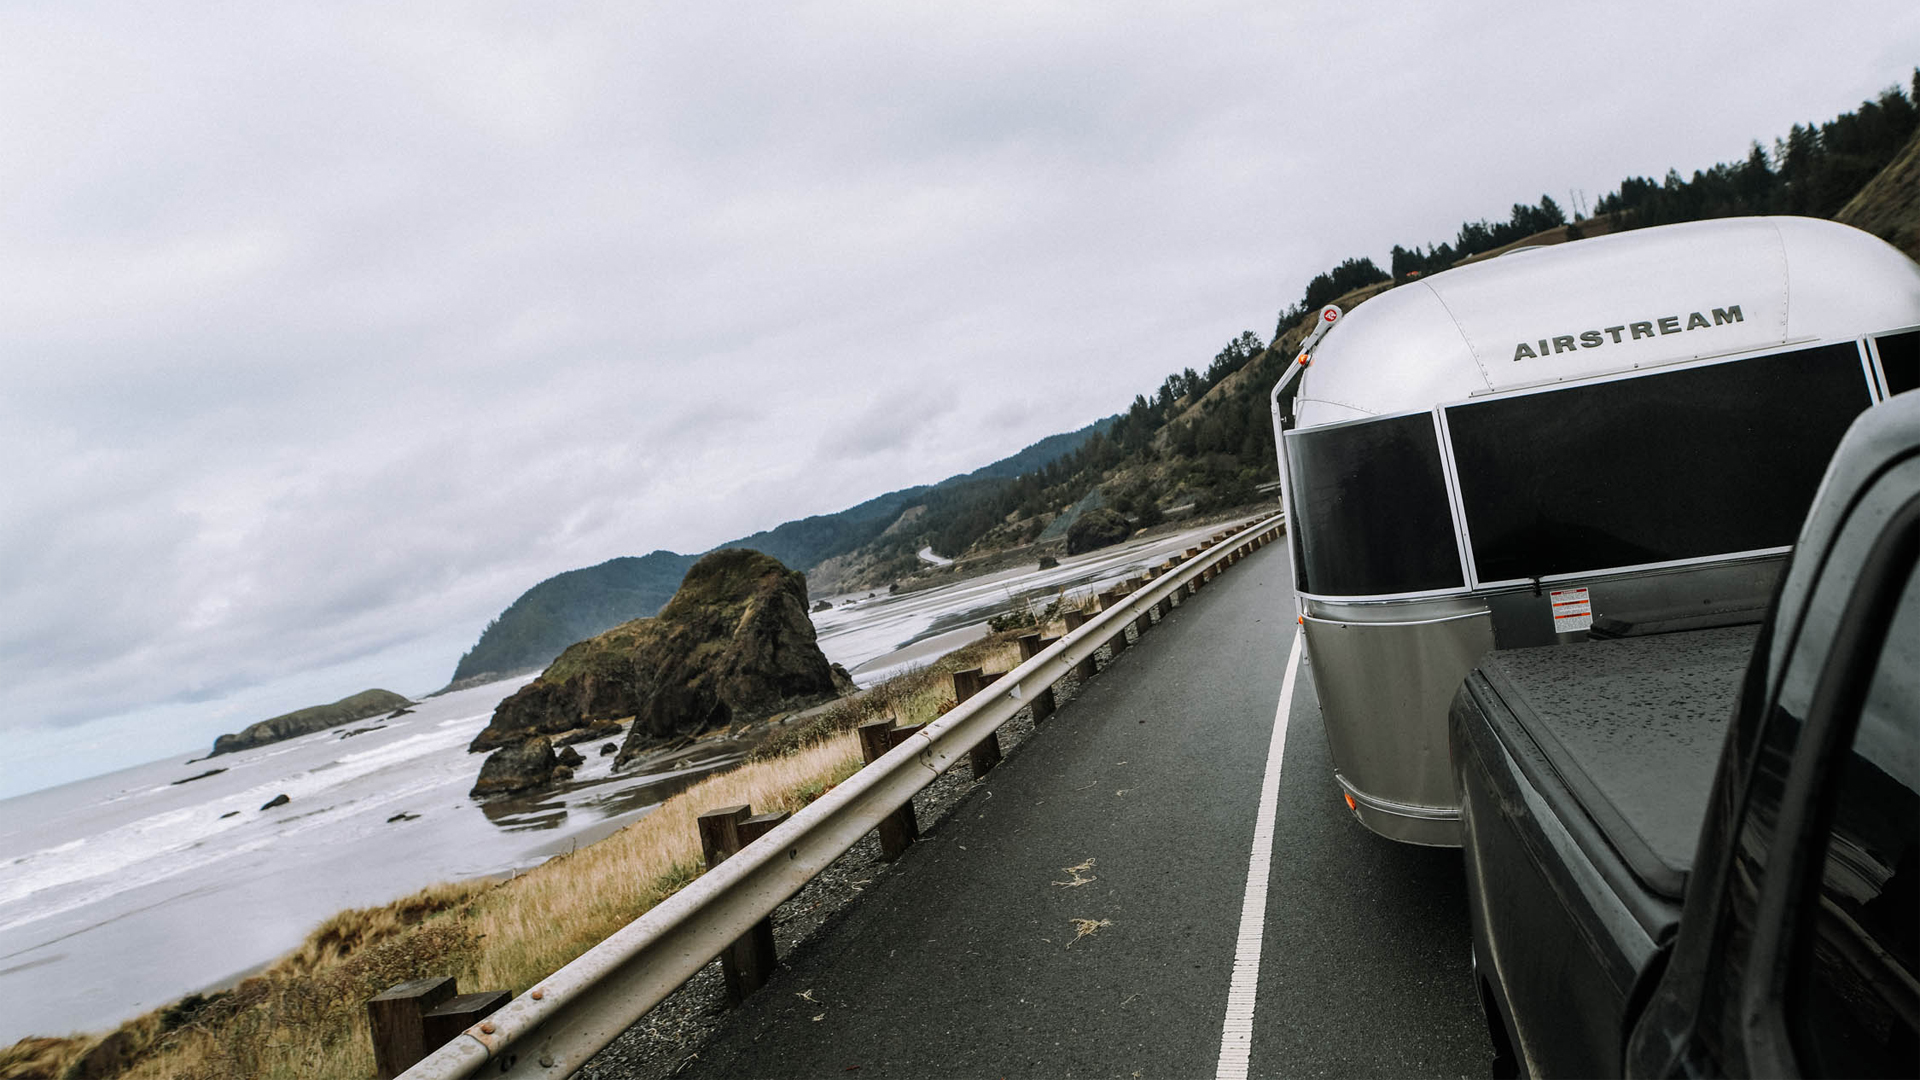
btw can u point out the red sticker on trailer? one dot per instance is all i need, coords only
(1572, 610)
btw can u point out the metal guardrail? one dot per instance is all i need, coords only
(554, 1028)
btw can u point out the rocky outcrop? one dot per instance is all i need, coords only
(734, 645)
(1097, 529)
(594, 729)
(307, 721)
(518, 767)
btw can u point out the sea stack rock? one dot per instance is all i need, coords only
(734, 645)
(524, 765)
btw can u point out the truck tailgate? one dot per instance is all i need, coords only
(1633, 728)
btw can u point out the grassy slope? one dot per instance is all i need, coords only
(1889, 205)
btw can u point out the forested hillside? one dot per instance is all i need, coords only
(1202, 440)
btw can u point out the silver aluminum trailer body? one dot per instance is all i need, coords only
(1615, 436)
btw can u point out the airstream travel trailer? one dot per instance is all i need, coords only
(1611, 437)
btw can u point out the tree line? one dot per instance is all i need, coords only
(1812, 171)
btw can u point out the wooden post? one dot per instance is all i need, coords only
(752, 955)
(1030, 646)
(1118, 642)
(396, 1019)
(720, 833)
(986, 753)
(747, 963)
(445, 1022)
(1085, 669)
(899, 828)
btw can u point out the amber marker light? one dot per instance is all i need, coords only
(1348, 795)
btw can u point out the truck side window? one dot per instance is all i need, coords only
(1854, 998)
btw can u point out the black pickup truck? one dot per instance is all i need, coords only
(1697, 853)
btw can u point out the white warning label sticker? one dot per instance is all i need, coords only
(1572, 610)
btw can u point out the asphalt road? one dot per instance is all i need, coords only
(990, 954)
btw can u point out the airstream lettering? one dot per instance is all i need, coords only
(1437, 496)
(1592, 339)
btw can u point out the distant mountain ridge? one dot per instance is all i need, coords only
(579, 604)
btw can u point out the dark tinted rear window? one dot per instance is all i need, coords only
(1372, 508)
(1679, 465)
(1900, 360)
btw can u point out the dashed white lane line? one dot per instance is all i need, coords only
(1236, 1035)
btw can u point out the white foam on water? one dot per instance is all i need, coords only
(58, 879)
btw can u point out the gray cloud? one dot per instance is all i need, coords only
(324, 333)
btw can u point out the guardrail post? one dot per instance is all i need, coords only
(720, 833)
(749, 961)
(1083, 670)
(986, 753)
(445, 1022)
(396, 1018)
(1118, 643)
(753, 955)
(1043, 703)
(899, 829)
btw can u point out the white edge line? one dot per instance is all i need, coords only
(1236, 1035)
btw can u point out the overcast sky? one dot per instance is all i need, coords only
(327, 330)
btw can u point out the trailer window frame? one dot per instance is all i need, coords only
(1445, 510)
(1870, 385)
(1900, 366)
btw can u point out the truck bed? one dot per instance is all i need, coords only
(1633, 729)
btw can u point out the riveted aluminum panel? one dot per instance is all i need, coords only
(1469, 331)
(1384, 688)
